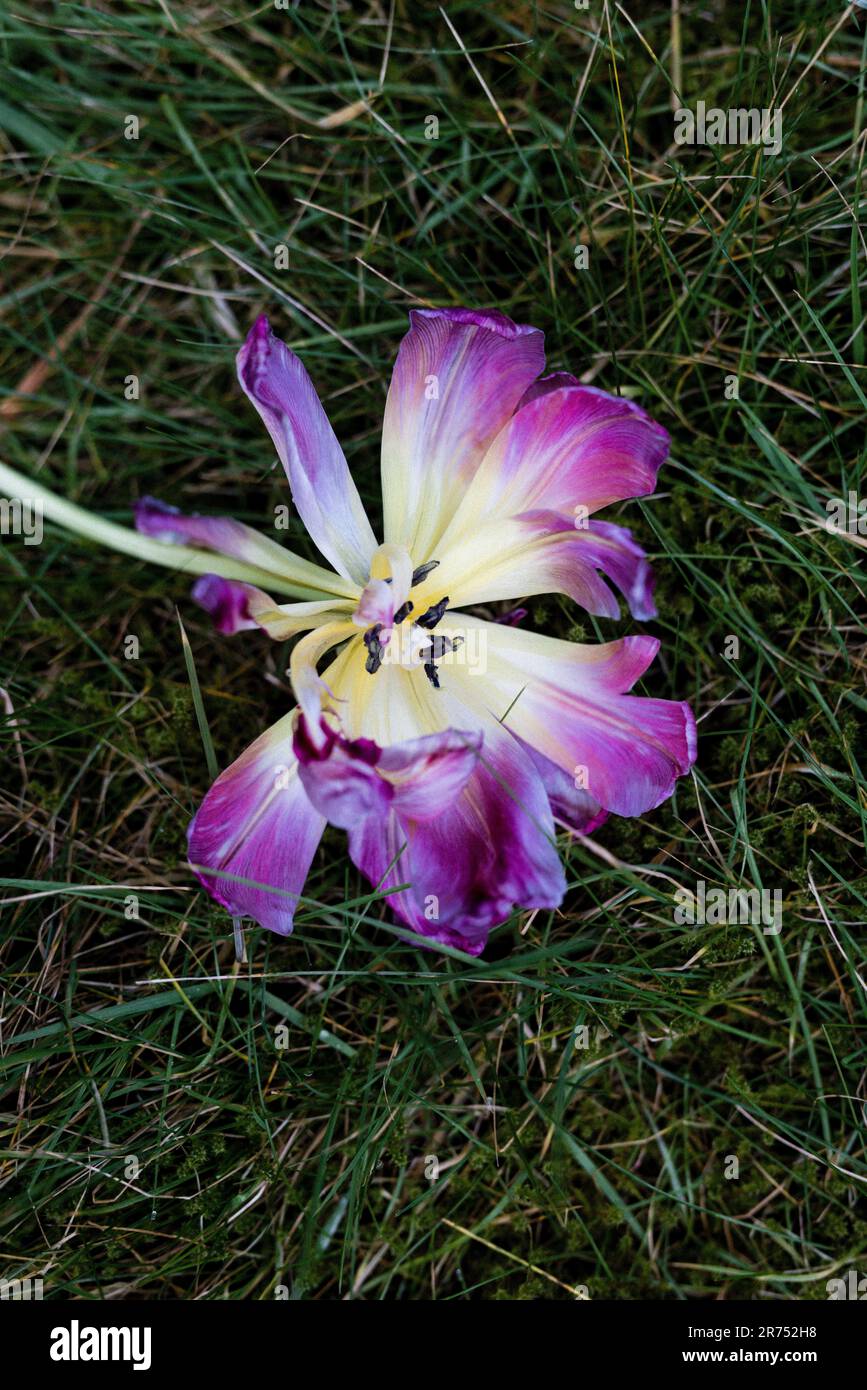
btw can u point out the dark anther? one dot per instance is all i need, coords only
(441, 647)
(434, 613)
(423, 571)
(374, 649)
(438, 648)
(403, 612)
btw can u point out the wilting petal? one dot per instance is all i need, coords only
(567, 701)
(459, 375)
(534, 554)
(235, 607)
(572, 806)
(226, 600)
(282, 620)
(489, 849)
(256, 823)
(322, 488)
(429, 773)
(612, 550)
(348, 779)
(225, 536)
(311, 691)
(569, 451)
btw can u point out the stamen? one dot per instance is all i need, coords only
(423, 571)
(374, 649)
(403, 612)
(439, 647)
(434, 613)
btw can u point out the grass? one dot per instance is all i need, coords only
(173, 1124)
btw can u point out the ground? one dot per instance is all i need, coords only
(344, 1115)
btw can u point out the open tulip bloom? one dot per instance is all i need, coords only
(451, 749)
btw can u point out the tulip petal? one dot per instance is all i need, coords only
(348, 779)
(489, 848)
(224, 536)
(573, 808)
(322, 488)
(458, 377)
(540, 552)
(492, 849)
(574, 446)
(568, 450)
(311, 691)
(235, 607)
(226, 600)
(257, 824)
(567, 701)
(282, 620)
(602, 545)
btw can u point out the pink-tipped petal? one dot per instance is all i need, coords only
(471, 850)
(340, 775)
(572, 560)
(458, 377)
(574, 809)
(257, 824)
(568, 701)
(235, 607)
(348, 779)
(568, 451)
(222, 535)
(491, 849)
(322, 488)
(430, 772)
(523, 526)
(227, 601)
(575, 446)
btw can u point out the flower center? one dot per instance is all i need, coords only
(410, 644)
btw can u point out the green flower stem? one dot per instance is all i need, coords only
(176, 557)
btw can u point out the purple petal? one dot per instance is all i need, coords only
(567, 701)
(348, 780)
(513, 618)
(227, 601)
(256, 823)
(569, 562)
(221, 534)
(340, 775)
(225, 536)
(575, 446)
(236, 606)
(489, 850)
(458, 377)
(322, 488)
(572, 806)
(568, 450)
(554, 381)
